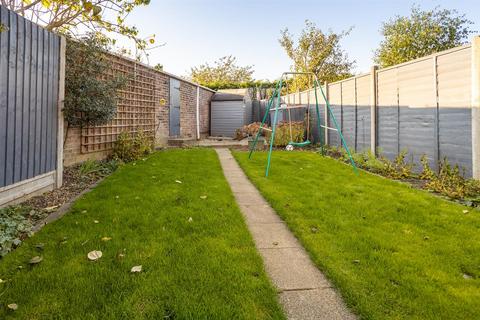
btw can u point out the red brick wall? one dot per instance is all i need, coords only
(205, 98)
(188, 100)
(188, 105)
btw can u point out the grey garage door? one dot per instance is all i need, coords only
(226, 117)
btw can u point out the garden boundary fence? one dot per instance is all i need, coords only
(428, 106)
(32, 73)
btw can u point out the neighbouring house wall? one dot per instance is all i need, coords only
(424, 106)
(143, 105)
(31, 87)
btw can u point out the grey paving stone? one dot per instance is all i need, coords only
(318, 304)
(291, 269)
(259, 213)
(273, 235)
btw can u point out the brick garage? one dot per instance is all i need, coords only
(143, 104)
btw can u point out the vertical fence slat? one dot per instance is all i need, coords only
(33, 97)
(3, 93)
(18, 105)
(38, 104)
(26, 98)
(50, 105)
(44, 110)
(12, 71)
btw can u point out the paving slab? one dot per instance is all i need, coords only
(259, 214)
(273, 235)
(304, 291)
(291, 269)
(326, 305)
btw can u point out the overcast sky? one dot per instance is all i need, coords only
(199, 31)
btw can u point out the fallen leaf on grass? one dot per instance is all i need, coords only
(12, 306)
(35, 260)
(203, 197)
(178, 181)
(2, 281)
(96, 221)
(136, 269)
(94, 255)
(190, 219)
(40, 246)
(106, 239)
(465, 211)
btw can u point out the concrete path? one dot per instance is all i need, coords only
(304, 291)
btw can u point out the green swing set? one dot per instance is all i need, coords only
(286, 106)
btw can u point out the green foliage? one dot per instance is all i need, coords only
(282, 133)
(75, 18)
(224, 71)
(420, 34)
(223, 84)
(90, 98)
(451, 182)
(100, 168)
(14, 226)
(317, 52)
(399, 168)
(128, 148)
(427, 173)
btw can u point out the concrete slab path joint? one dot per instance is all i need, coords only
(304, 291)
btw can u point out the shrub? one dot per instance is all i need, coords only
(282, 133)
(427, 173)
(398, 168)
(449, 181)
(90, 97)
(100, 168)
(128, 148)
(250, 130)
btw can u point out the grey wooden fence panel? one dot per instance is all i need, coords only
(363, 113)
(387, 113)
(455, 118)
(349, 114)
(29, 62)
(335, 99)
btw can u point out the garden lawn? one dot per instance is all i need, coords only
(393, 252)
(198, 258)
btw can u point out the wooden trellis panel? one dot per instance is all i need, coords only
(135, 108)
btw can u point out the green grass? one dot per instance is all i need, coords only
(204, 269)
(394, 252)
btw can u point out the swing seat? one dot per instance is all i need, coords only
(300, 144)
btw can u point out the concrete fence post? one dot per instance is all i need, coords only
(60, 119)
(475, 102)
(373, 109)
